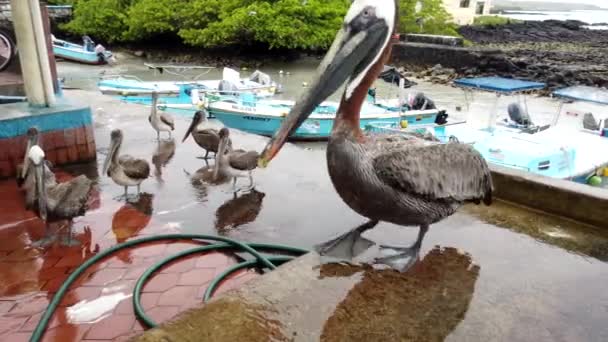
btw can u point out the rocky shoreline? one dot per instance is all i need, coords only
(560, 53)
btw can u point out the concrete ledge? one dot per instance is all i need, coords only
(568, 199)
(302, 301)
(66, 130)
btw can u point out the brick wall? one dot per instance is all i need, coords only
(75, 145)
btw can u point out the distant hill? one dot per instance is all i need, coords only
(509, 5)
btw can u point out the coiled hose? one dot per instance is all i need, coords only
(223, 243)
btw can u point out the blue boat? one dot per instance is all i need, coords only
(591, 137)
(264, 116)
(184, 97)
(557, 151)
(87, 53)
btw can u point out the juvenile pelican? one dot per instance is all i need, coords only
(207, 138)
(161, 122)
(56, 201)
(234, 163)
(393, 178)
(124, 170)
(33, 139)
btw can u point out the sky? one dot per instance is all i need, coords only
(600, 3)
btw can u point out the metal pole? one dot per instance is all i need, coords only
(494, 113)
(49, 45)
(559, 112)
(33, 52)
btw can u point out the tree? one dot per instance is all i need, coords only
(289, 24)
(432, 17)
(104, 19)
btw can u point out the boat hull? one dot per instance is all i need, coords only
(77, 53)
(311, 129)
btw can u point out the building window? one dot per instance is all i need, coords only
(465, 3)
(480, 7)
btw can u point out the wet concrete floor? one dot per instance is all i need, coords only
(530, 276)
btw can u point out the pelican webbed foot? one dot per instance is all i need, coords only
(346, 246)
(402, 258)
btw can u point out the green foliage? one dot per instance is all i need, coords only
(432, 18)
(493, 20)
(289, 24)
(105, 19)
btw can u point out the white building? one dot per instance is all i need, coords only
(464, 11)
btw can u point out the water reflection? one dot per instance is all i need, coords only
(238, 211)
(132, 217)
(129, 221)
(202, 178)
(163, 154)
(424, 304)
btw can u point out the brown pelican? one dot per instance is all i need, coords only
(56, 201)
(399, 179)
(207, 138)
(161, 122)
(124, 170)
(234, 163)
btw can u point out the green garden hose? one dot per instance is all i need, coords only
(224, 243)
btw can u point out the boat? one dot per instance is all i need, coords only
(88, 53)
(557, 151)
(248, 113)
(184, 97)
(590, 137)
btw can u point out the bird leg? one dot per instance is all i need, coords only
(205, 157)
(405, 257)
(68, 241)
(48, 238)
(347, 246)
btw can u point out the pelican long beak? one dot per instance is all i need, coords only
(110, 156)
(26, 159)
(193, 124)
(357, 44)
(41, 190)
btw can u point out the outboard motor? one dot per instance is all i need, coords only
(227, 88)
(421, 102)
(442, 118)
(518, 115)
(101, 53)
(260, 78)
(590, 123)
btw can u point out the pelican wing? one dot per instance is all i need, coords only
(69, 199)
(209, 139)
(167, 120)
(438, 171)
(134, 168)
(244, 160)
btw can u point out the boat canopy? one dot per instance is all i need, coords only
(584, 94)
(498, 84)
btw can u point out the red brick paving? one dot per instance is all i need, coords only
(29, 276)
